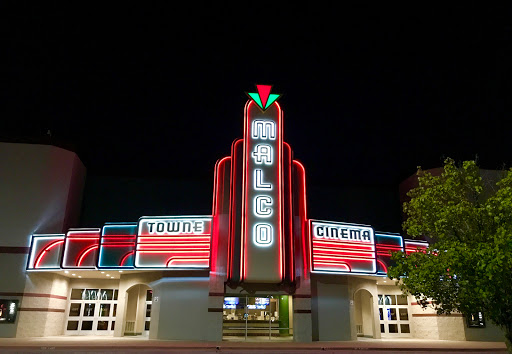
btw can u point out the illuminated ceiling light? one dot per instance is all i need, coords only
(79, 276)
(102, 272)
(66, 271)
(120, 271)
(112, 277)
(107, 275)
(73, 274)
(263, 98)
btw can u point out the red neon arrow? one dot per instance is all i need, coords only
(264, 92)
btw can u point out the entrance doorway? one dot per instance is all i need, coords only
(138, 310)
(91, 312)
(363, 301)
(394, 316)
(257, 318)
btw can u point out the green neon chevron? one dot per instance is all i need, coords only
(271, 99)
(256, 97)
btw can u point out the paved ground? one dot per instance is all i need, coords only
(69, 344)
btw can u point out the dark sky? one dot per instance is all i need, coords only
(150, 96)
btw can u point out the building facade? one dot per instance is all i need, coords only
(257, 267)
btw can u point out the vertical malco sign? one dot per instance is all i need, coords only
(262, 194)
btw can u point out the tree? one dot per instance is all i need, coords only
(468, 265)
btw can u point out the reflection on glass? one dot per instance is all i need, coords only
(381, 300)
(104, 310)
(72, 325)
(74, 309)
(381, 316)
(114, 311)
(146, 326)
(90, 294)
(89, 310)
(393, 328)
(404, 328)
(102, 326)
(86, 325)
(392, 314)
(113, 325)
(107, 294)
(390, 300)
(404, 316)
(382, 328)
(115, 294)
(149, 295)
(148, 310)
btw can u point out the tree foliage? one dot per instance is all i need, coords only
(468, 265)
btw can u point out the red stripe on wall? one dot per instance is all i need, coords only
(34, 295)
(40, 309)
(9, 249)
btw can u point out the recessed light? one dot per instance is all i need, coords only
(73, 274)
(66, 271)
(107, 275)
(120, 271)
(385, 281)
(102, 272)
(79, 276)
(112, 277)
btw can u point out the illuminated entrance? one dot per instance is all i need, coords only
(257, 318)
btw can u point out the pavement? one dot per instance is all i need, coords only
(104, 344)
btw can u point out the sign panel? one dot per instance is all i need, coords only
(385, 244)
(342, 248)
(173, 242)
(46, 252)
(81, 248)
(262, 196)
(117, 246)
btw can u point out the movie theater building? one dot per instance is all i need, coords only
(256, 267)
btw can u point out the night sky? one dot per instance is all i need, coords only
(150, 96)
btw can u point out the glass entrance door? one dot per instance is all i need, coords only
(394, 316)
(257, 318)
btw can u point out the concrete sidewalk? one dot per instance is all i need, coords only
(100, 344)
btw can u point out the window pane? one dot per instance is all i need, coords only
(76, 294)
(390, 299)
(90, 294)
(149, 295)
(381, 316)
(86, 325)
(72, 325)
(403, 313)
(381, 300)
(382, 328)
(148, 310)
(392, 314)
(74, 309)
(146, 326)
(402, 300)
(115, 294)
(88, 310)
(102, 325)
(107, 294)
(104, 310)
(393, 328)
(115, 310)
(404, 328)
(113, 325)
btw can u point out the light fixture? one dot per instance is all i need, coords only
(79, 276)
(73, 274)
(66, 271)
(107, 275)
(112, 277)
(120, 271)
(102, 272)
